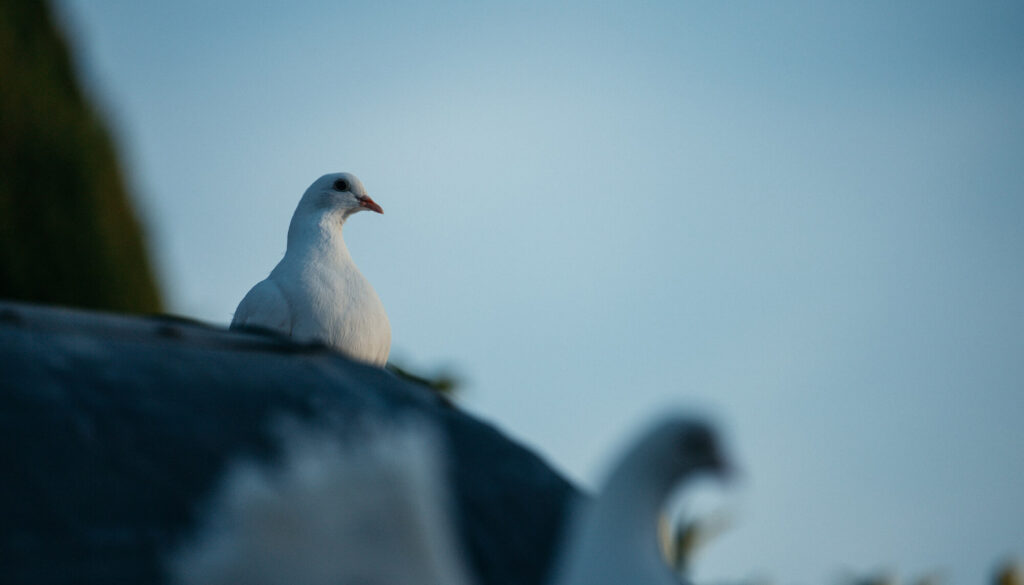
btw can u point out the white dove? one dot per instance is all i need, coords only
(316, 293)
(613, 539)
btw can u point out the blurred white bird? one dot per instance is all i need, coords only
(613, 539)
(316, 293)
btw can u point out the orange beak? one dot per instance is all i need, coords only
(368, 203)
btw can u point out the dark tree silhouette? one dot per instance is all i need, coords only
(68, 234)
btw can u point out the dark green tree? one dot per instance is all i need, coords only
(68, 234)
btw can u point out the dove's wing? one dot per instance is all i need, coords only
(264, 306)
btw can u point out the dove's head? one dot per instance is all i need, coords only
(326, 204)
(337, 193)
(670, 452)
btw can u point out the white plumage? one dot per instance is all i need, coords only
(377, 511)
(613, 539)
(316, 293)
(370, 511)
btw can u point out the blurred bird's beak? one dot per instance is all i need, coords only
(368, 203)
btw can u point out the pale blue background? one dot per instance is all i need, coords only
(807, 219)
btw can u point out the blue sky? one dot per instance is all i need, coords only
(804, 219)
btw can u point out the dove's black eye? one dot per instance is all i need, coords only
(699, 441)
(341, 185)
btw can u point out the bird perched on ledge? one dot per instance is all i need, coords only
(316, 293)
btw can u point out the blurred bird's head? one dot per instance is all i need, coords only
(674, 450)
(698, 448)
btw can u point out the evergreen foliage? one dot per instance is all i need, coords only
(68, 234)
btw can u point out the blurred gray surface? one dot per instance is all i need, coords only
(116, 428)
